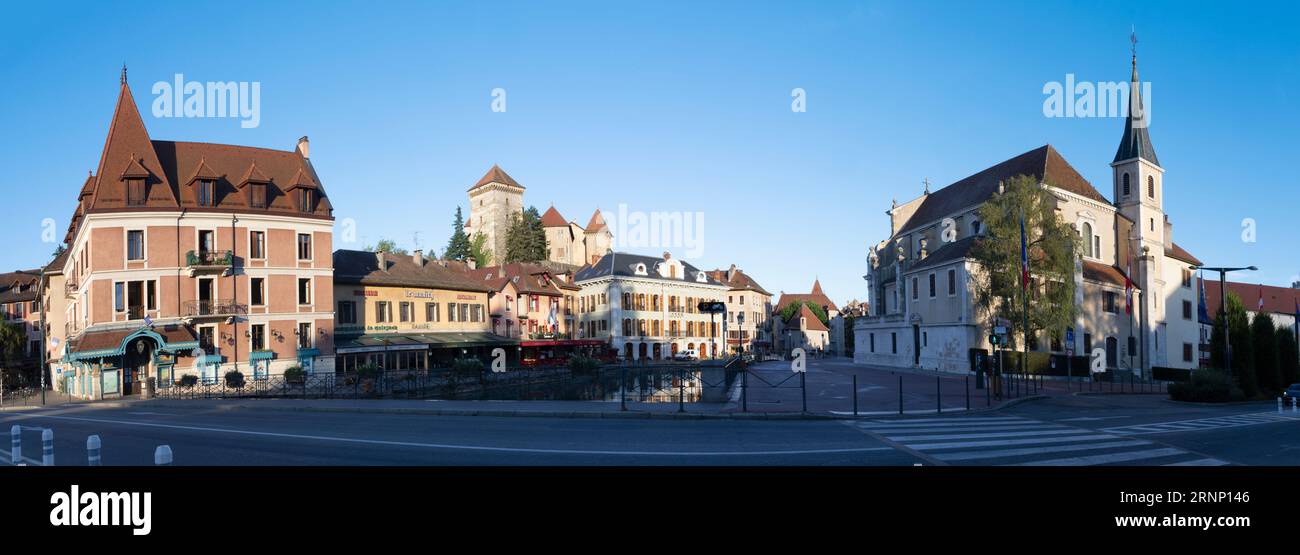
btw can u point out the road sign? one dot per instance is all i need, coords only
(712, 307)
(1000, 330)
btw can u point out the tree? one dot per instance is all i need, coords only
(458, 247)
(788, 311)
(479, 251)
(1053, 247)
(389, 246)
(1241, 348)
(1268, 374)
(526, 238)
(1288, 354)
(11, 350)
(59, 250)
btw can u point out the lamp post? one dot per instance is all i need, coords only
(1223, 310)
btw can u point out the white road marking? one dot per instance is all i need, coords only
(1091, 418)
(1107, 458)
(1200, 462)
(1062, 431)
(1201, 424)
(999, 453)
(465, 447)
(1001, 442)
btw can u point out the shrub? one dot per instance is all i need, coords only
(579, 364)
(295, 374)
(467, 365)
(189, 380)
(235, 379)
(1206, 386)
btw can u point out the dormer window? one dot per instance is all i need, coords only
(206, 192)
(701, 277)
(639, 269)
(257, 195)
(306, 199)
(135, 192)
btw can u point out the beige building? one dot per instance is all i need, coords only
(920, 278)
(646, 308)
(834, 326)
(54, 308)
(748, 308)
(497, 197)
(407, 312)
(805, 331)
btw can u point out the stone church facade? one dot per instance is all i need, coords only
(923, 313)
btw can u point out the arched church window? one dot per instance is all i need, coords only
(1151, 186)
(1126, 187)
(1087, 239)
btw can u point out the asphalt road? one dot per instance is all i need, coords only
(1059, 431)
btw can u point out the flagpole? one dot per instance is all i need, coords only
(1024, 295)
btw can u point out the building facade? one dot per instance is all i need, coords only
(920, 279)
(646, 308)
(748, 310)
(408, 312)
(193, 258)
(834, 321)
(20, 307)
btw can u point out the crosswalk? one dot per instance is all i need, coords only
(1205, 423)
(1017, 441)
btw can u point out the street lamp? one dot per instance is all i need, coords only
(1223, 309)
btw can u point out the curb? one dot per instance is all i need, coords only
(521, 413)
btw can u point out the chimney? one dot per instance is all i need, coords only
(302, 147)
(418, 256)
(471, 263)
(383, 263)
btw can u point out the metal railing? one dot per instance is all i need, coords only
(209, 259)
(213, 308)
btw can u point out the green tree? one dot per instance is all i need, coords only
(458, 246)
(1288, 354)
(1241, 347)
(1268, 374)
(387, 245)
(1053, 248)
(11, 351)
(526, 238)
(479, 251)
(59, 250)
(790, 309)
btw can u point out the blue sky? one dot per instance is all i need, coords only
(667, 106)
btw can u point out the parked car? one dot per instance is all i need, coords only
(1292, 392)
(687, 355)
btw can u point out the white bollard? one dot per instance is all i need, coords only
(16, 445)
(92, 451)
(162, 456)
(47, 447)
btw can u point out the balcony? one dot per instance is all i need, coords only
(70, 288)
(198, 261)
(207, 310)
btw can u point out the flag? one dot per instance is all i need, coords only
(1261, 297)
(1128, 286)
(1204, 315)
(1024, 253)
(550, 318)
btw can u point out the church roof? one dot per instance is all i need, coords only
(1178, 253)
(496, 175)
(1096, 271)
(1136, 142)
(552, 218)
(1043, 163)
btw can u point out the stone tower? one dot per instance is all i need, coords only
(492, 202)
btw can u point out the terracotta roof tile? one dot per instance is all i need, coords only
(496, 175)
(552, 218)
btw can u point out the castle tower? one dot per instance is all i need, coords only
(492, 202)
(597, 238)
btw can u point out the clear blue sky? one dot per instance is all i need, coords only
(675, 107)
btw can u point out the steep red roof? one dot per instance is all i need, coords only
(597, 222)
(814, 323)
(817, 297)
(1178, 253)
(170, 168)
(496, 175)
(1097, 271)
(552, 218)
(1279, 300)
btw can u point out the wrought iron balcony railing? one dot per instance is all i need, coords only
(209, 259)
(213, 309)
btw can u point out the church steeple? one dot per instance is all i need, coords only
(1136, 142)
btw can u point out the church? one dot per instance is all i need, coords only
(923, 313)
(497, 197)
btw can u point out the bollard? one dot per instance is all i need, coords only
(1293, 404)
(681, 391)
(855, 395)
(162, 456)
(47, 447)
(92, 451)
(900, 394)
(16, 444)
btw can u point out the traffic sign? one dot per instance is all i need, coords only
(712, 307)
